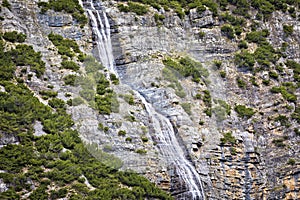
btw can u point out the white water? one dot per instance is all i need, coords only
(167, 142)
(101, 28)
(171, 150)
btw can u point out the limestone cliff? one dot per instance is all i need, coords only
(237, 123)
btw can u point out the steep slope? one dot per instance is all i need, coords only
(42, 156)
(215, 81)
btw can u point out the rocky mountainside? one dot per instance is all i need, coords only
(200, 97)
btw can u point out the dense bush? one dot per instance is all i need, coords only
(243, 111)
(70, 79)
(14, 36)
(257, 36)
(286, 92)
(244, 60)
(137, 8)
(69, 65)
(65, 47)
(288, 30)
(187, 67)
(228, 138)
(228, 31)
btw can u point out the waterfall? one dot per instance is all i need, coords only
(167, 142)
(171, 150)
(101, 30)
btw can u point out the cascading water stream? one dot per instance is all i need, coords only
(166, 140)
(101, 30)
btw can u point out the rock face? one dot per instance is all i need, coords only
(251, 167)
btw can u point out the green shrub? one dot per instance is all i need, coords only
(228, 138)
(121, 133)
(48, 93)
(296, 114)
(57, 103)
(287, 93)
(114, 79)
(288, 30)
(223, 74)
(257, 36)
(241, 83)
(70, 79)
(6, 4)
(69, 65)
(227, 30)
(14, 36)
(284, 121)
(137, 8)
(187, 67)
(273, 75)
(278, 142)
(24, 55)
(291, 161)
(65, 47)
(159, 18)
(243, 111)
(144, 139)
(265, 55)
(243, 44)
(244, 60)
(141, 151)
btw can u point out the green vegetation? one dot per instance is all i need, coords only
(291, 161)
(228, 31)
(187, 108)
(105, 99)
(128, 98)
(70, 79)
(66, 64)
(265, 54)
(141, 151)
(279, 142)
(137, 8)
(223, 74)
(14, 36)
(258, 37)
(296, 69)
(57, 158)
(243, 111)
(288, 30)
(121, 133)
(296, 114)
(159, 18)
(228, 138)
(284, 121)
(65, 47)
(21, 55)
(244, 60)
(173, 76)
(187, 67)
(114, 79)
(144, 139)
(287, 91)
(241, 83)
(6, 4)
(243, 44)
(70, 6)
